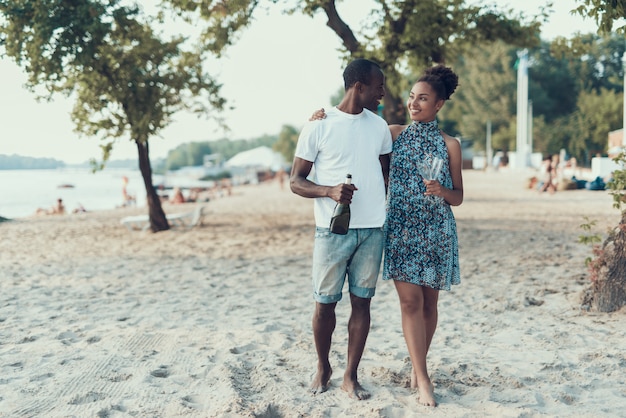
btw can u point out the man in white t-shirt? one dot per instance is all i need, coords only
(352, 139)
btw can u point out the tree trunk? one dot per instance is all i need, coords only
(341, 28)
(158, 221)
(394, 111)
(609, 289)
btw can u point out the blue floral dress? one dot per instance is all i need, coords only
(421, 244)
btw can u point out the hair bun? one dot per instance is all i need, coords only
(445, 76)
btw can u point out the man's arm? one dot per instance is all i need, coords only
(300, 185)
(384, 165)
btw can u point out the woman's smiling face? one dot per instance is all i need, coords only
(423, 103)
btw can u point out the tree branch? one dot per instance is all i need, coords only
(340, 27)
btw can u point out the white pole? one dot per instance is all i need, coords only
(624, 114)
(522, 109)
(488, 147)
(529, 149)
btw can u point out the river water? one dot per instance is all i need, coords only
(23, 191)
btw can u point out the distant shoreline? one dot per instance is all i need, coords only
(21, 162)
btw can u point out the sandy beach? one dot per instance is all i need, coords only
(215, 321)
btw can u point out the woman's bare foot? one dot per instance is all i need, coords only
(321, 381)
(426, 394)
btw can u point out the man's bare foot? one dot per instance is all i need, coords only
(355, 390)
(321, 381)
(426, 394)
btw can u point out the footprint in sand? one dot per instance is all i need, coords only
(191, 401)
(162, 372)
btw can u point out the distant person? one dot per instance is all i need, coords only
(557, 171)
(504, 161)
(57, 209)
(280, 176)
(79, 209)
(193, 195)
(226, 184)
(128, 199)
(548, 175)
(351, 140)
(497, 159)
(177, 196)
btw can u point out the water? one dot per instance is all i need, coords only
(23, 191)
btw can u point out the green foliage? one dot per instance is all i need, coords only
(287, 141)
(128, 80)
(551, 138)
(576, 100)
(192, 154)
(588, 227)
(592, 239)
(487, 92)
(597, 114)
(553, 87)
(588, 70)
(605, 13)
(221, 19)
(617, 185)
(138, 83)
(219, 176)
(593, 61)
(406, 36)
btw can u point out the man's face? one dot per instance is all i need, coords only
(372, 93)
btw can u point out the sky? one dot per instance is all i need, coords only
(280, 70)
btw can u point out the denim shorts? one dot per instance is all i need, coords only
(358, 254)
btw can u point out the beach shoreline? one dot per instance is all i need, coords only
(215, 321)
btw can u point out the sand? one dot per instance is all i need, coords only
(98, 321)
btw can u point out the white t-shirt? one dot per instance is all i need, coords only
(344, 144)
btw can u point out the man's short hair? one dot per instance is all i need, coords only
(359, 70)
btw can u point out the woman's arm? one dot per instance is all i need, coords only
(454, 196)
(396, 130)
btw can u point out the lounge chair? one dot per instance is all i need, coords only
(181, 220)
(187, 219)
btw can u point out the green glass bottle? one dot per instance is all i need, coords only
(340, 221)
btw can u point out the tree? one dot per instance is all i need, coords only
(565, 77)
(598, 113)
(595, 61)
(605, 13)
(608, 269)
(190, 154)
(287, 141)
(488, 93)
(413, 34)
(193, 153)
(576, 97)
(127, 81)
(553, 85)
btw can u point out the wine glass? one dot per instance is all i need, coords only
(429, 169)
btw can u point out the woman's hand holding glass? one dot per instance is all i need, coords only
(430, 169)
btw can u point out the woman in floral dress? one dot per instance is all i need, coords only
(421, 249)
